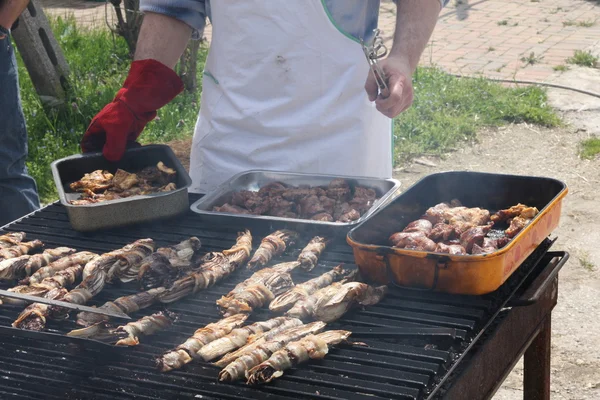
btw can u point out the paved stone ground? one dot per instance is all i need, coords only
(488, 37)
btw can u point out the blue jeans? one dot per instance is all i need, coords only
(18, 191)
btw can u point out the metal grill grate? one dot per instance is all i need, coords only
(411, 368)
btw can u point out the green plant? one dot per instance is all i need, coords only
(491, 49)
(590, 148)
(531, 59)
(583, 59)
(503, 22)
(560, 68)
(98, 66)
(448, 111)
(585, 262)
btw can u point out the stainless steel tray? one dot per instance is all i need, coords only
(253, 180)
(121, 212)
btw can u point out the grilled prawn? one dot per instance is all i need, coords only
(271, 246)
(240, 336)
(237, 364)
(309, 256)
(285, 301)
(187, 351)
(294, 353)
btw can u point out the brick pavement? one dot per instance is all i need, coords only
(486, 37)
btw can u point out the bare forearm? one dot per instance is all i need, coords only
(415, 21)
(162, 38)
(10, 11)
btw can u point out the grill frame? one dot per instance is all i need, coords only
(409, 359)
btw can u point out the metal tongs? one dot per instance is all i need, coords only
(374, 52)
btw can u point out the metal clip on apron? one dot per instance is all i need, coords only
(374, 52)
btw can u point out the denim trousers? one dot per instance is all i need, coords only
(18, 191)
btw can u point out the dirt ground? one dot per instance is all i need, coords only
(531, 150)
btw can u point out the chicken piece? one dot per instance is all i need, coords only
(452, 249)
(420, 225)
(349, 216)
(170, 173)
(463, 218)
(96, 181)
(124, 180)
(442, 231)
(502, 241)
(435, 214)
(516, 225)
(412, 241)
(515, 211)
(168, 187)
(228, 208)
(474, 236)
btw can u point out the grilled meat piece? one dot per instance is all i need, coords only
(339, 189)
(474, 236)
(294, 353)
(232, 209)
(33, 318)
(420, 225)
(111, 261)
(11, 239)
(129, 261)
(453, 249)
(412, 241)
(272, 188)
(96, 181)
(79, 258)
(88, 288)
(463, 218)
(241, 336)
(520, 210)
(482, 250)
(188, 351)
(442, 231)
(310, 206)
(145, 326)
(236, 364)
(516, 225)
(271, 246)
(61, 279)
(348, 296)
(20, 249)
(285, 301)
(322, 217)
(309, 256)
(123, 180)
(435, 214)
(23, 266)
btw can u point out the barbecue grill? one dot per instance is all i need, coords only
(420, 344)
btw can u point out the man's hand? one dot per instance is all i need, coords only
(399, 80)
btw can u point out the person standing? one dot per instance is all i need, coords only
(18, 191)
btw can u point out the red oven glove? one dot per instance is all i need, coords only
(149, 86)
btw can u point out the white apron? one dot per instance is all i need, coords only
(283, 90)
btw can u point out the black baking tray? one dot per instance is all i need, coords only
(121, 212)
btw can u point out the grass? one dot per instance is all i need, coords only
(98, 66)
(585, 262)
(590, 148)
(531, 59)
(583, 24)
(503, 22)
(560, 68)
(583, 59)
(448, 111)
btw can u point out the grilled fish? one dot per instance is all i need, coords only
(108, 260)
(309, 256)
(80, 258)
(129, 261)
(271, 246)
(240, 336)
(126, 304)
(20, 249)
(294, 353)
(237, 364)
(187, 351)
(348, 295)
(25, 265)
(285, 301)
(11, 239)
(216, 266)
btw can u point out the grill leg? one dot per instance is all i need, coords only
(537, 365)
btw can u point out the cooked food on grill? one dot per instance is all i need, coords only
(11, 239)
(79, 258)
(454, 229)
(167, 264)
(20, 249)
(272, 245)
(188, 351)
(121, 258)
(23, 266)
(99, 186)
(126, 304)
(215, 266)
(129, 261)
(285, 301)
(294, 353)
(306, 307)
(238, 363)
(246, 334)
(61, 279)
(33, 318)
(309, 256)
(349, 295)
(338, 201)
